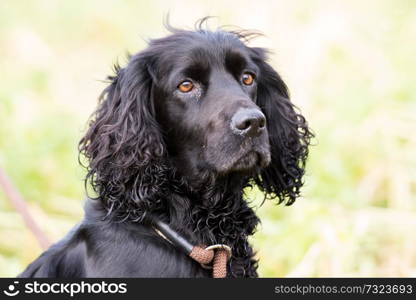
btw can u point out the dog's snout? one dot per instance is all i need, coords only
(248, 122)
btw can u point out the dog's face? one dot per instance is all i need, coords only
(205, 96)
(204, 102)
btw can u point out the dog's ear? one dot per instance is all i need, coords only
(289, 135)
(123, 144)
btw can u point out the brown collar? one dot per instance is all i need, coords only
(214, 256)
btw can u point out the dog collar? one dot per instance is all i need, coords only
(214, 256)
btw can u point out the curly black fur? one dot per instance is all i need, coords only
(142, 164)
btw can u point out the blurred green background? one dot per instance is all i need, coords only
(350, 66)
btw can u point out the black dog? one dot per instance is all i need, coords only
(179, 133)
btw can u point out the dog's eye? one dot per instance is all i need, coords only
(186, 86)
(247, 78)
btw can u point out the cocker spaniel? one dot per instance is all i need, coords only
(178, 135)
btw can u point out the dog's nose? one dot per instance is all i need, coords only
(248, 122)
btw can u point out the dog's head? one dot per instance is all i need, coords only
(205, 102)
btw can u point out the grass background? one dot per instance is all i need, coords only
(350, 66)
